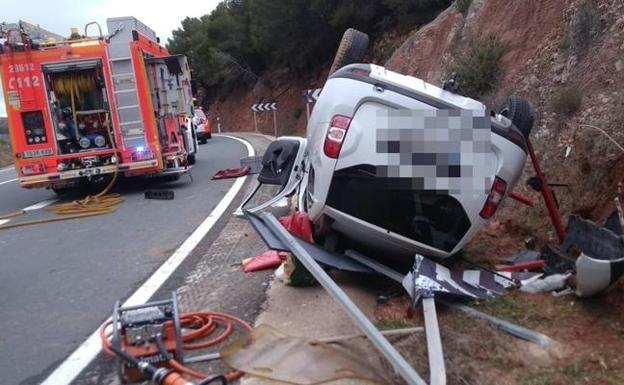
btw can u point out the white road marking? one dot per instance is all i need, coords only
(65, 373)
(40, 205)
(6, 169)
(3, 221)
(8, 181)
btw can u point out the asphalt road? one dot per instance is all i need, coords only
(58, 281)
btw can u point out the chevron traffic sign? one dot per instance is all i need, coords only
(311, 96)
(263, 107)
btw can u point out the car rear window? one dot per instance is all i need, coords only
(430, 217)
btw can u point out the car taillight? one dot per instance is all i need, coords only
(494, 198)
(335, 135)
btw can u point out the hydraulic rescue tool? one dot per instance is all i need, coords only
(149, 341)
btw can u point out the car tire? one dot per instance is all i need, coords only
(209, 135)
(203, 141)
(191, 159)
(520, 112)
(352, 49)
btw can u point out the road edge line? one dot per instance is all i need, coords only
(8, 181)
(80, 358)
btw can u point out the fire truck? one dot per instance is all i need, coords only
(84, 108)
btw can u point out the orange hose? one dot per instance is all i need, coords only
(204, 324)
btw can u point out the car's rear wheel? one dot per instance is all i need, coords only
(520, 112)
(191, 159)
(352, 49)
(203, 141)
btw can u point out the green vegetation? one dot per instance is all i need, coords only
(5, 154)
(297, 111)
(478, 68)
(463, 6)
(241, 39)
(567, 100)
(584, 27)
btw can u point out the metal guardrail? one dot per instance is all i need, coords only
(399, 363)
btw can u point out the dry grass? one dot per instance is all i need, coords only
(588, 349)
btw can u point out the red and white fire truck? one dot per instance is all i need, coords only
(87, 107)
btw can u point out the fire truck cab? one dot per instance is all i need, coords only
(86, 107)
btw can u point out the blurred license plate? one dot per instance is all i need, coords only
(37, 153)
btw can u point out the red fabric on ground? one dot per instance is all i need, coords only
(267, 260)
(298, 224)
(231, 173)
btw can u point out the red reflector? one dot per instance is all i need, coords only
(33, 169)
(335, 135)
(360, 72)
(494, 198)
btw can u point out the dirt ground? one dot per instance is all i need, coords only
(588, 334)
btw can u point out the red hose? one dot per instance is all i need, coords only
(204, 324)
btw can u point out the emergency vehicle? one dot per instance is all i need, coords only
(86, 107)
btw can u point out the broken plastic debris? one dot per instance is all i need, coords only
(547, 284)
(428, 276)
(596, 275)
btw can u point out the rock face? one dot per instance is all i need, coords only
(550, 45)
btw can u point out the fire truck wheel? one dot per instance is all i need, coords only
(352, 49)
(191, 159)
(62, 191)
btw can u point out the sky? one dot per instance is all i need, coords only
(59, 16)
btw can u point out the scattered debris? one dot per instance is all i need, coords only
(523, 266)
(159, 194)
(253, 162)
(551, 283)
(267, 260)
(230, 173)
(523, 256)
(469, 284)
(594, 275)
(557, 262)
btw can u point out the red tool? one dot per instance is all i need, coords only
(549, 198)
(531, 265)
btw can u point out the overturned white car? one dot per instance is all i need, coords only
(397, 165)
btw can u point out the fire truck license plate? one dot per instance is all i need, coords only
(37, 153)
